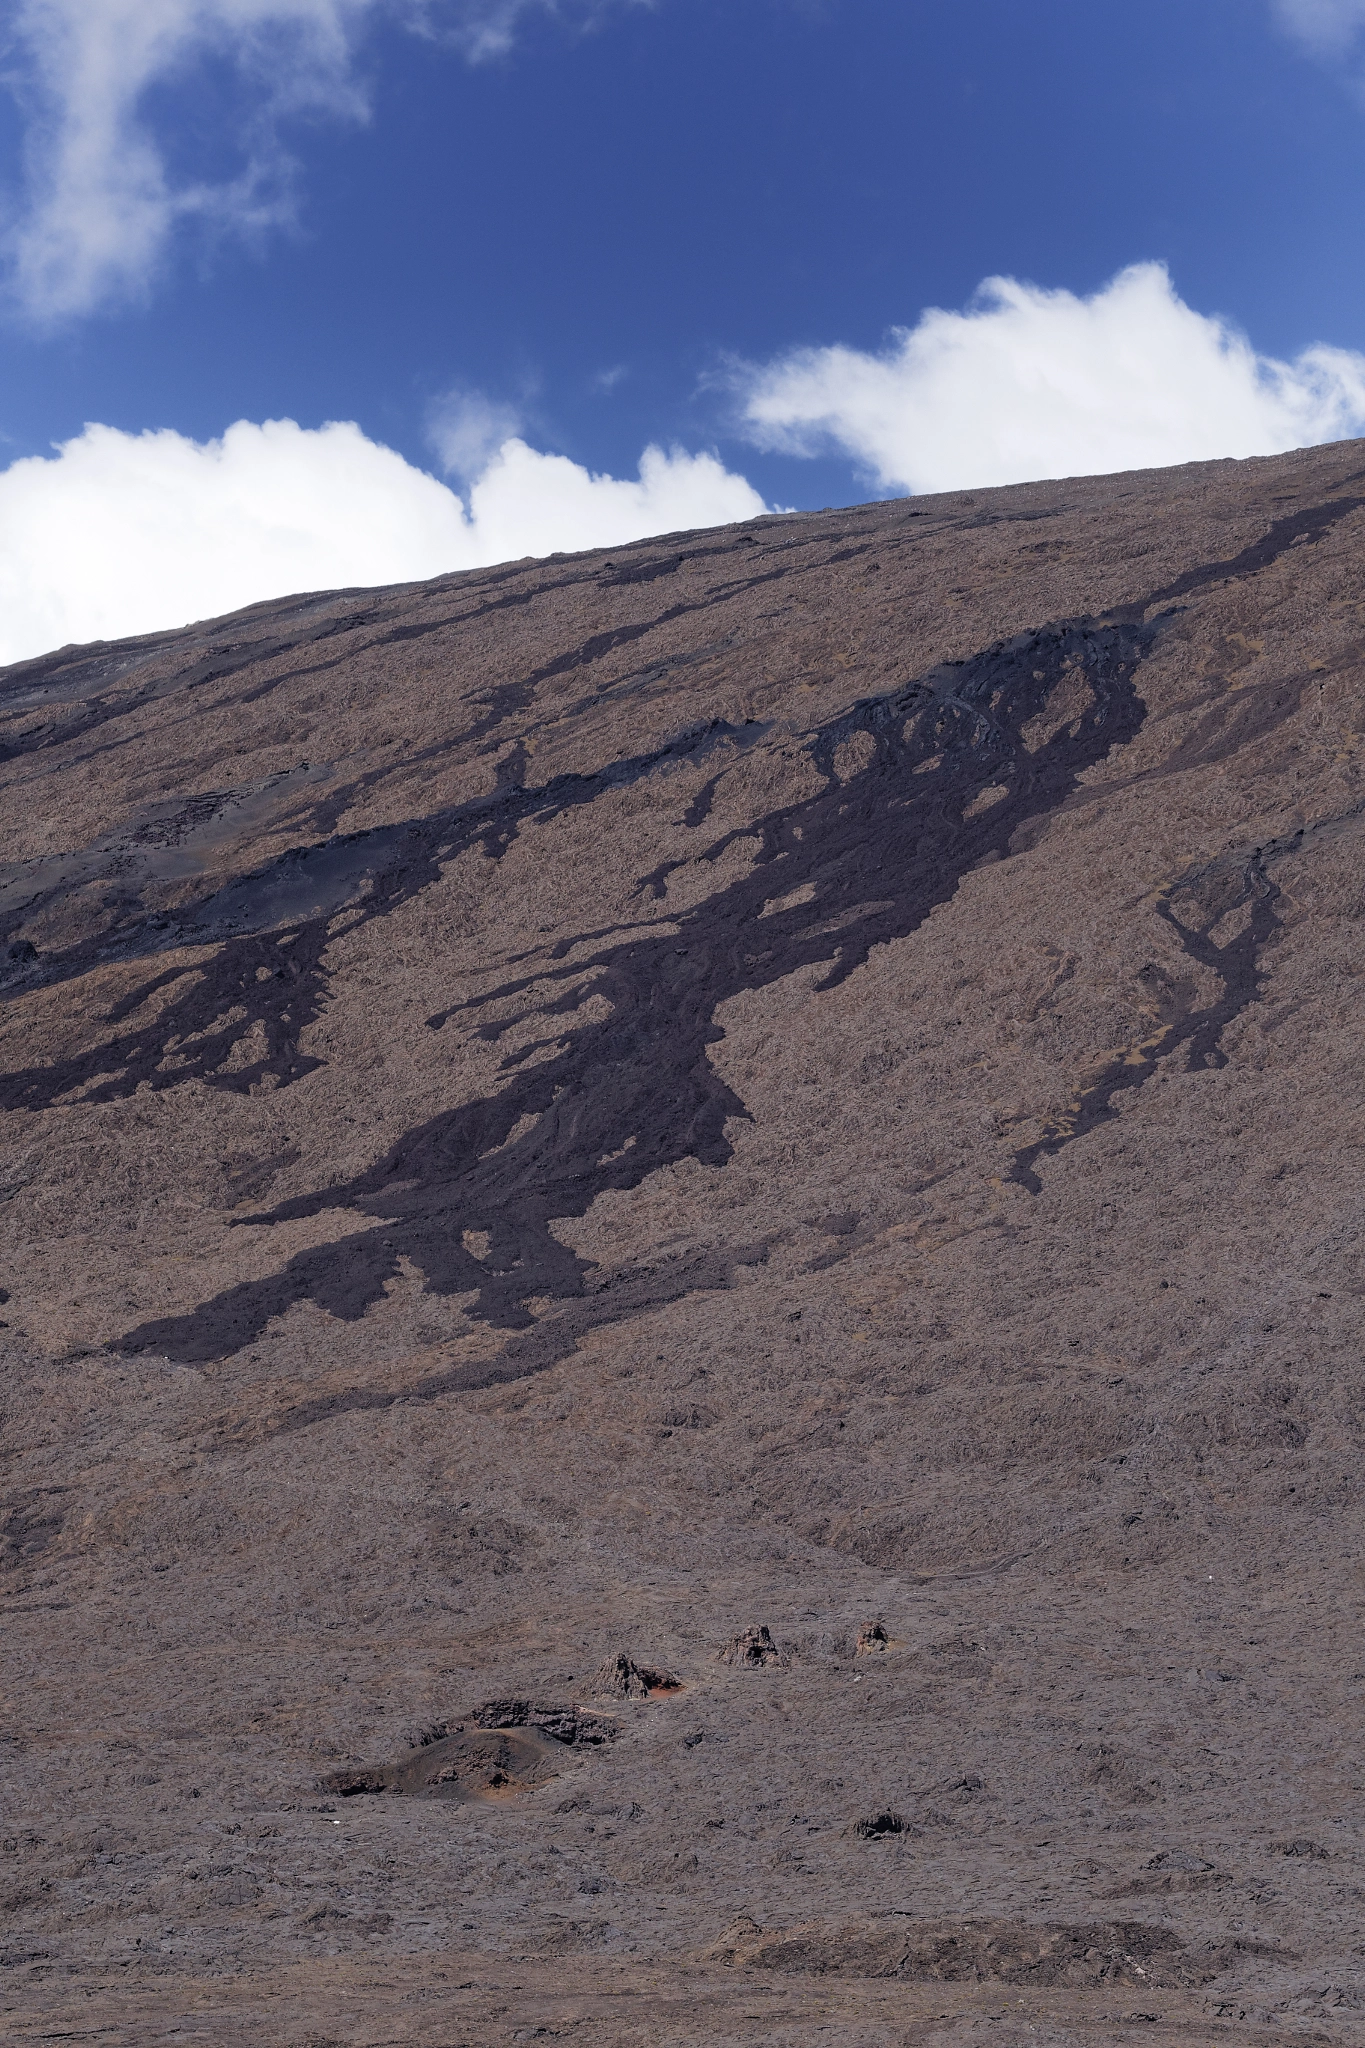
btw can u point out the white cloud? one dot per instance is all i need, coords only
(129, 533)
(526, 503)
(1031, 383)
(100, 205)
(467, 428)
(1328, 26)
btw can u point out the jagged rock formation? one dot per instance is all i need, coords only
(621, 1678)
(804, 1072)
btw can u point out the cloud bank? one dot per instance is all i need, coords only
(130, 533)
(101, 204)
(1031, 383)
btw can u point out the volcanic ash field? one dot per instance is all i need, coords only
(680, 1291)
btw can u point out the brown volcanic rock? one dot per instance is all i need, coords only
(810, 1071)
(621, 1678)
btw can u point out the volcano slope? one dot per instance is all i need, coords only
(682, 1290)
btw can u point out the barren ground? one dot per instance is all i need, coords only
(804, 1079)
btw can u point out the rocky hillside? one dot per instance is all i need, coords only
(703, 1203)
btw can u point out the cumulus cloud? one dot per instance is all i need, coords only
(101, 204)
(129, 533)
(526, 503)
(1031, 383)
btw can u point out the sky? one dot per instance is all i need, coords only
(297, 294)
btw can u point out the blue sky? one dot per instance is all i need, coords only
(603, 227)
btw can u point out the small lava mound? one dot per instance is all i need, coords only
(570, 1726)
(1171, 1870)
(466, 1765)
(506, 1747)
(621, 1678)
(877, 1826)
(753, 1649)
(1129, 1952)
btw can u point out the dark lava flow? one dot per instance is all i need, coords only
(611, 1101)
(614, 1099)
(267, 977)
(1180, 1020)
